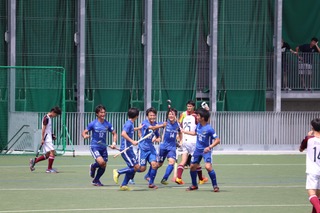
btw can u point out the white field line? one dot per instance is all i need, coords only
(119, 165)
(140, 186)
(156, 208)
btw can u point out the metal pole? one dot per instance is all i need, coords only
(277, 56)
(213, 64)
(147, 54)
(10, 37)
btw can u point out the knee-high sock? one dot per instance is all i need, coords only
(100, 173)
(213, 178)
(199, 171)
(41, 158)
(168, 171)
(315, 202)
(148, 174)
(313, 209)
(127, 177)
(50, 162)
(95, 165)
(180, 171)
(193, 175)
(152, 175)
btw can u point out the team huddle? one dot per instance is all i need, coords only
(192, 133)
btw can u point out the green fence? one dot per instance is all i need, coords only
(24, 92)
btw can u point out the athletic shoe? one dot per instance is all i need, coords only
(116, 176)
(179, 181)
(92, 171)
(97, 183)
(152, 186)
(131, 181)
(31, 165)
(192, 188)
(204, 180)
(124, 188)
(164, 182)
(51, 171)
(216, 189)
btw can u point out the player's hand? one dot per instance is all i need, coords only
(207, 149)
(134, 143)
(86, 136)
(113, 146)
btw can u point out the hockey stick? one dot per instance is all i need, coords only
(100, 143)
(141, 139)
(38, 152)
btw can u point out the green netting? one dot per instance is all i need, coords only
(180, 63)
(31, 89)
(45, 32)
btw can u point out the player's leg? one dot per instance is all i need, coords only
(171, 156)
(50, 162)
(101, 157)
(212, 174)
(195, 161)
(152, 158)
(130, 159)
(312, 187)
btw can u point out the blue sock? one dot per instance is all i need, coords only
(193, 175)
(100, 173)
(213, 178)
(148, 174)
(126, 178)
(125, 170)
(152, 175)
(95, 165)
(168, 171)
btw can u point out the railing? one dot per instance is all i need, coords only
(299, 71)
(237, 130)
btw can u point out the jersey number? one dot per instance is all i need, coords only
(316, 155)
(186, 126)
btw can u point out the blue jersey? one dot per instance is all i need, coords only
(99, 132)
(170, 135)
(147, 144)
(128, 127)
(205, 135)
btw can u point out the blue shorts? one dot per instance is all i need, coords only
(130, 158)
(166, 153)
(198, 155)
(99, 152)
(146, 156)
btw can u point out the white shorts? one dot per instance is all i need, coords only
(188, 147)
(313, 181)
(47, 147)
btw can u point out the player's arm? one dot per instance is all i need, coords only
(126, 136)
(85, 134)
(43, 130)
(158, 126)
(188, 132)
(180, 136)
(114, 139)
(304, 142)
(138, 128)
(210, 147)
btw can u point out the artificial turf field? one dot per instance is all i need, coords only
(248, 184)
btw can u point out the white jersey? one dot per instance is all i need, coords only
(313, 156)
(189, 124)
(48, 130)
